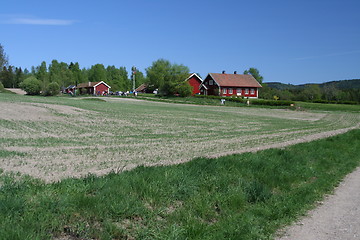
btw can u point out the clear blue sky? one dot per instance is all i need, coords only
(288, 41)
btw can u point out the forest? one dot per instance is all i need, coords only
(165, 76)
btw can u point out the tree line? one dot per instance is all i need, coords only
(64, 74)
(162, 75)
(328, 93)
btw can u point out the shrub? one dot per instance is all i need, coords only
(52, 90)
(1, 87)
(31, 85)
(184, 89)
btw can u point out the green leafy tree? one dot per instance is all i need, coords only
(53, 89)
(158, 73)
(117, 78)
(61, 73)
(4, 60)
(167, 77)
(139, 78)
(97, 73)
(312, 92)
(330, 92)
(255, 73)
(76, 73)
(42, 75)
(31, 85)
(183, 89)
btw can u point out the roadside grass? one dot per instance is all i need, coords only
(242, 196)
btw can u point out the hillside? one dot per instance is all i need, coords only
(341, 85)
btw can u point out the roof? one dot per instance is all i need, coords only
(91, 84)
(234, 80)
(194, 74)
(141, 87)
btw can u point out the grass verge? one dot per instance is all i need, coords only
(246, 196)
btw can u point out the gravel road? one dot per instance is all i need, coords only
(338, 217)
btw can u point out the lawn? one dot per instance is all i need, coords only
(58, 137)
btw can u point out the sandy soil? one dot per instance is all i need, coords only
(16, 90)
(337, 218)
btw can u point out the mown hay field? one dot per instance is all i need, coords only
(59, 137)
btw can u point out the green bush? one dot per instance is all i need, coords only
(31, 85)
(252, 101)
(1, 87)
(52, 90)
(184, 89)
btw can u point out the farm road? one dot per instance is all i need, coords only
(336, 218)
(16, 90)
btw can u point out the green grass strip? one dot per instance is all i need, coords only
(246, 196)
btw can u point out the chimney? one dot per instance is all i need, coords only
(235, 72)
(223, 72)
(89, 84)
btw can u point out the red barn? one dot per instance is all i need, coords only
(195, 81)
(94, 88)
(222, 84)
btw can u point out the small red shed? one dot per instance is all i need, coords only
(195, 81)
(94, 88)
(223, 84)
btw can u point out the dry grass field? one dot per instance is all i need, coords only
(60, 137)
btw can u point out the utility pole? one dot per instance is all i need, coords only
(133, 69)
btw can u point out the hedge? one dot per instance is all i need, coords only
(252, 101)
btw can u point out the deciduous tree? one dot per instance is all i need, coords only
(167, 77)
(255, 73)
(31, 85)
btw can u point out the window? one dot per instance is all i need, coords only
(211, 82)
(238, 91)
(224, 90)
(230, 91)
(246, 91)
(252, 91)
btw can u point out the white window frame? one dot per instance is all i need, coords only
(224, 90)
(238, 91)
(231, 91)
(211, 82)
(246, 91)
(252, 91)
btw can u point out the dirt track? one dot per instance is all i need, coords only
(16, 90)
(338, 217)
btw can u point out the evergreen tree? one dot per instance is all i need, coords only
(7, 77)
(19, 76)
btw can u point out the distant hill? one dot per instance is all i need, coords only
(341, 85)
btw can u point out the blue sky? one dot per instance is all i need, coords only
(288, 41)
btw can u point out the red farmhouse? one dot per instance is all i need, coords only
(195, 81)
(94, 88)
(222, 84)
